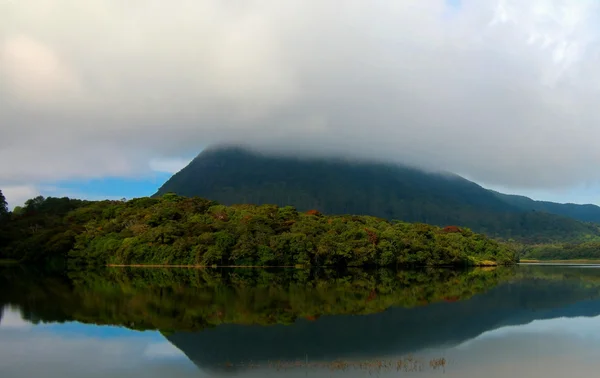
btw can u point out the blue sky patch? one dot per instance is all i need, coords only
(109, 188)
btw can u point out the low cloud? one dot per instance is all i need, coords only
(16, 195)
(168, 165)
(502, 91)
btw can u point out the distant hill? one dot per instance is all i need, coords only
(233, 175)
(584, 213)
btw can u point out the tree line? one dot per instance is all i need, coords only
(175, 230)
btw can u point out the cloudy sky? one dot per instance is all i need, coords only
(106, 98)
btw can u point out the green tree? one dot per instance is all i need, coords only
(34, 203)
(3, 205)
(182, 231)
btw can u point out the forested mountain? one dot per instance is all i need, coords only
(234, 175)
(584, 213)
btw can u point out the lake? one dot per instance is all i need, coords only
(525, 321)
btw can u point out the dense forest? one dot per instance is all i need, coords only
(564, 251)
(584, 213)
(233, 175)
(175, 230)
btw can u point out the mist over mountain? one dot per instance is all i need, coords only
(406, 81)
(584, 213)
(233, 174)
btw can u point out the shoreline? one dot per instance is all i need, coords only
(200, 266)
(291, 266)
(562, 262)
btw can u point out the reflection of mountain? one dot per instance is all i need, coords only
(394, 332)
(231, 300)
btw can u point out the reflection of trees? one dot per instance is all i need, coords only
(191, 299)
(224, 312)
(536, 294)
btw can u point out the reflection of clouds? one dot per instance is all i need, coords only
(579, 327)
(162, 349)
(543, 348)
(548, 349)
(64, 351)
(12, 318)
(526, 353)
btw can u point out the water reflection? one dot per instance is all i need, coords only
(79, 350)
(531, 322)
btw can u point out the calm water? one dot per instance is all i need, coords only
(528, 321)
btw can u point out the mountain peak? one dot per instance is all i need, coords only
(233, 174)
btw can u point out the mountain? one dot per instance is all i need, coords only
(584, 213)
(233, 175)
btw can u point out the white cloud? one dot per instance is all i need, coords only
(503, 91)
(16, 195)
(35, 73)
(169, 165)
